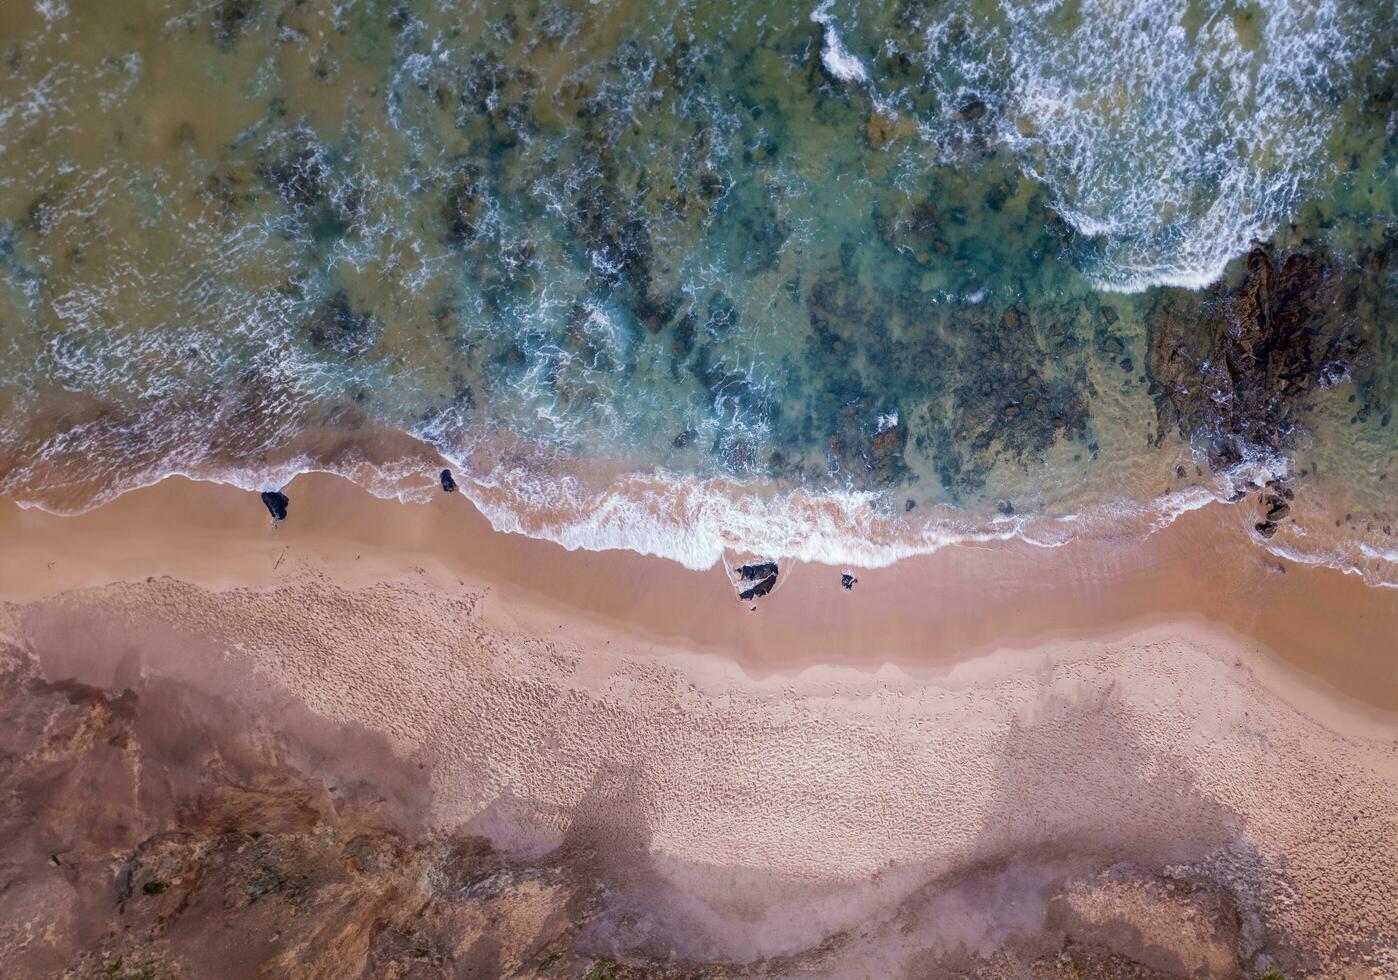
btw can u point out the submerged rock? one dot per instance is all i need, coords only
(276, 503)
(231, 18)
(338, 327)
(973, 111)
(448, 483)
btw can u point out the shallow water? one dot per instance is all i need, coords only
(847, 281)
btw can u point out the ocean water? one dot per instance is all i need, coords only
(839, 281)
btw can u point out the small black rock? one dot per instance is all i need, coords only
(276, 502)
(848, 580)
(448, 484)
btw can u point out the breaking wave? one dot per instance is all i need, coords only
(699, 522)
(1170, 134)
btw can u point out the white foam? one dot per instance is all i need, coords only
(52, 10)
(1170, 145)
(833, 54)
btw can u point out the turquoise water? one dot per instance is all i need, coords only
(842, 281)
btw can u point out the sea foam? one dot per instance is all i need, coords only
(1168, 144)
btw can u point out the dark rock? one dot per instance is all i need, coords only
(1004, 507)
(276, 502)
(1265, 528)
(760, 589)
(848, 580)
(757, 571)
(448, 483)
(1278, 510)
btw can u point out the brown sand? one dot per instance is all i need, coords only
(1171, 748)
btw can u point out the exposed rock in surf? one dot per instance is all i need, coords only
(870, 454)
(848, 581)
(760, 589)
(276, 503)
(448, 482)
(1265, 528)
(1238, 365)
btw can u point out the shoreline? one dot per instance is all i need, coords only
(925, 614)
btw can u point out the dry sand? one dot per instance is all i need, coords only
(1146, 759)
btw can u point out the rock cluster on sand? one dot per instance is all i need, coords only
(1277, 498)
(448, 482)
(761, 575)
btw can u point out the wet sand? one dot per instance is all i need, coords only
(925, 613)
(1180, 759)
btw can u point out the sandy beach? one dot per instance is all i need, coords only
(1138, 759)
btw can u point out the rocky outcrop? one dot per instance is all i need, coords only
(1237, 365)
